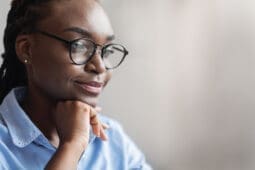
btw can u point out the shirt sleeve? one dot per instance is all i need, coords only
(135, 158)
(2, 167)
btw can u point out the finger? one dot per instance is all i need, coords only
(98, 109)
(96, 129)
(95, 123)
(105, 126)
(103, 135)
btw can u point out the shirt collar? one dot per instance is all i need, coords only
(21, 128)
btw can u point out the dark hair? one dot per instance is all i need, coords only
(22, 19)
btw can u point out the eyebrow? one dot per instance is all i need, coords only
(86, 33)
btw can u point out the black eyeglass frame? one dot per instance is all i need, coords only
(69, 43)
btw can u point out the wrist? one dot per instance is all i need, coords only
(67, 156)
(77, 141)
(72, 147)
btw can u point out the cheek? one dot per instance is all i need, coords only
(108, 76)
(48, 76)
(56, 82)
(49, 61)
(45, 69)
(50, 72)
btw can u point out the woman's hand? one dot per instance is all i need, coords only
(73, 120)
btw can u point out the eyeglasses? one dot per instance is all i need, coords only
(81, 50)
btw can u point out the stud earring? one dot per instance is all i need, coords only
(26, 61)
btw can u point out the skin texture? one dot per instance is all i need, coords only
(60, 108)
(60, 73)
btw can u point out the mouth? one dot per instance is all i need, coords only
(91, 87)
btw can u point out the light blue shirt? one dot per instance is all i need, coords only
(23, 146)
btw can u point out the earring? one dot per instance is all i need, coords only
(26, 61)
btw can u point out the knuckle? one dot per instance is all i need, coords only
(81, 106)
(77, 103)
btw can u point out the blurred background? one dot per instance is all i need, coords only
(185, 92)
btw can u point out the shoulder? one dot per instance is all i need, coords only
(5, 141)
(115, 128)
(117, 137)
(111, 122)
(124, 145)
(3, 129)
(5, 138)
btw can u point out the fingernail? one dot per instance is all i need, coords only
(106, 126)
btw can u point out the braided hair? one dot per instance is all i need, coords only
(22, 19)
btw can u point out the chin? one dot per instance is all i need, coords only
(92, 101)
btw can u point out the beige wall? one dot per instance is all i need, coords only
(185, 92)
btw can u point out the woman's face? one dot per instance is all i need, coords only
(51, 72)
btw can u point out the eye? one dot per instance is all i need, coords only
(108, 52)
(80, 46)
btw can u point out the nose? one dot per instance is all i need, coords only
(96, 64)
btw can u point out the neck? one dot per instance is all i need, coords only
(39, 108)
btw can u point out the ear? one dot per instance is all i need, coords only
(23, 48)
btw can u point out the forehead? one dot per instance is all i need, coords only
(85, 14)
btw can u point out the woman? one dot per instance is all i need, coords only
(58, 57)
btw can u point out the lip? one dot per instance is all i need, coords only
(91, 87)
